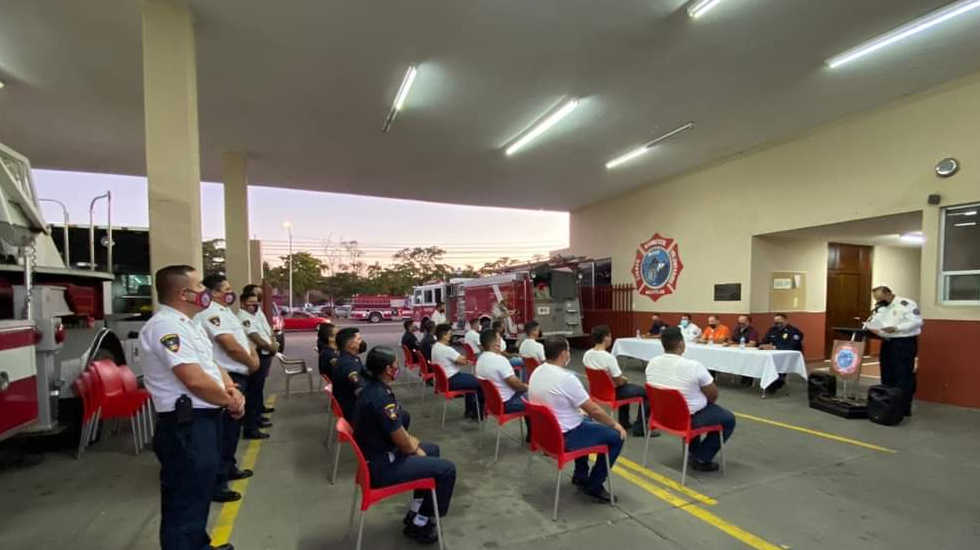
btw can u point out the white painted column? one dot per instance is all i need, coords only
(237, 249)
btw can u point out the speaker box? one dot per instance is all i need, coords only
(821, 383)
(886, 405)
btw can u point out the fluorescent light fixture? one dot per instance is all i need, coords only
(915, 237)
(543, 125)
(967, 213)
(1, 84)
(701, 7)
(647, 146)
(403, 90)
(913, 27)
(964, 224)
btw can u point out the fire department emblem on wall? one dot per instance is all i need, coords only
(656, 267)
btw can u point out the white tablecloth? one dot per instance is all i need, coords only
(766, 365)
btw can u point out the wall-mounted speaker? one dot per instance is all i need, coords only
(934, 199)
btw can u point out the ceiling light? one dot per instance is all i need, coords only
(403, 90)
(913, 27)
(647, 146)
(701, 7)
(1, 84)
(543, 125)
(967, 213)
(915, 237)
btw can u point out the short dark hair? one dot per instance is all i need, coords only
(553, 346)
(746, 315)
(497, 324)
(168, 279)
(407, 323)
(378, 359)
(655, 314)
(323, 331)
(249, 290)
(671, 338)
(882, 287)
(599, 333)
(688, 315)
(531, 325)
(783, 315)
(214, 280)
(428, 325)
(487, 337)
(345, 335)
(442, 329)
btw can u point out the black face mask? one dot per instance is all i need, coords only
(363, 347)
(881, 303)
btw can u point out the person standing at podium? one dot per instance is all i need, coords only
(898, 322)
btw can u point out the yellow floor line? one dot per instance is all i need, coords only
(736, 532)
(664, 480)
(817, 433)
(223, 526)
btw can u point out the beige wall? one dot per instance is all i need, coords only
(873, 164)
(899, 268)
(780, 255)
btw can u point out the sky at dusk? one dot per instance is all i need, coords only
(469, 234)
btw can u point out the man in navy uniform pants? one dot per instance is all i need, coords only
(781, 335)
(260, 333)
(394, 455)
(189, 391)
(898, 322)
(347, 381)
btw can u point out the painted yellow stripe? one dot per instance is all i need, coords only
(817, 433)
(223, 526)
(664, 480)
(736, 532)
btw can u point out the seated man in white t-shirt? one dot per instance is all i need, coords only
(530, 348)
(553, 385)
(450, 360)
(472, 336)
(494, 367)
(694, 382)
(599, 358)
(690, 330)
(515, 359)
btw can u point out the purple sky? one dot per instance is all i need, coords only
(470, 234)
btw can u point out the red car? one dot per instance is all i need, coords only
(300, 320)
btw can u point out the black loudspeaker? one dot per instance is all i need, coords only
(821, 384)
(933, 199)
(886, 405)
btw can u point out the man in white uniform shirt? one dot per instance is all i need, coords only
(898, 322)
(450, 360)
(233, 353)
(530, 348)
(189, 391)
(439, 315)
(472, 336)
(260, 333)
(558, 388)
(599, 358)
(693, 380)
(493, 366)
(690, 330)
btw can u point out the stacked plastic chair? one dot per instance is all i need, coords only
(111, 392)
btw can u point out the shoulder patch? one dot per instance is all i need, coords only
(391, 411)
(785, 335)
(905, 302)
(353, 376)
(246, 323)
(171, 342)
(796, 337)
(215, 320)
(916, 311)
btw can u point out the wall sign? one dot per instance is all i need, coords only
(656, 267)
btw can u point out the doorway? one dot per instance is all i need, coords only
(848, 288)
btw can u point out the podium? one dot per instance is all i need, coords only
(846, 360)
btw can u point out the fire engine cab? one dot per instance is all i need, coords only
(375, 308)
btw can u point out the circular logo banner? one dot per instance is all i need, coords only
(656, 267)
(846, 360)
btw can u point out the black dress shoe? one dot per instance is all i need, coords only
(225, 546)
(265, 424)
(240, 474)
(602, 495)
(422, 535)
(409, 517)
(704, 466)
(264, 419)
(579, 482)
(255, 435)
(267, 410)
(226, 496)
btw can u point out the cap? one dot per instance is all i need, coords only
(881, 284)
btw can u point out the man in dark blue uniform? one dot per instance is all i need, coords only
(394, 455)
(409, 340)
(781, 335)
(347, 373)
(429, 329)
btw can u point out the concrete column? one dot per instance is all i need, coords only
(255, 256)
(237, 253)
(173, 164)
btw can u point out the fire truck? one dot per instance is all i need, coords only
(545, 293)
(375, 308)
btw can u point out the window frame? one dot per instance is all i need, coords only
(943, 274)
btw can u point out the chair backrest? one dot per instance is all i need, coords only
(334, 404)
(669, 408)
(470, 353)
(530, 363)
(410, 358)
(601, 385)
(442, 381)
(107, 373)
(546, 433)
(491, 396)
(422, 362)
(129, 382)
(80, 387)
(326, 378)
(346, 434)
(88, 380)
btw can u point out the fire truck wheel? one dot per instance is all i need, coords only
(375, 317)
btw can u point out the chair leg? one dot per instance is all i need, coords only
(288, 378)
(445, 405)
(353, 507)
(646, 447)
(435, 507)
(684, 467)
(360, 530)
(643, 416)
(721, 437)
(336, 462)
(554, 513)
(132, 427)
(309, 376)
(609, 476)
(496, 450)
(82, 439)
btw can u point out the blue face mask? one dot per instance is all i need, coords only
(685, 322)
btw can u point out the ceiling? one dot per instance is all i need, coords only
(880, 231)
(304, 87)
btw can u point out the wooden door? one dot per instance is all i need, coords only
(848, 287)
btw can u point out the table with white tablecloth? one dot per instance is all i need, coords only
(766, 365)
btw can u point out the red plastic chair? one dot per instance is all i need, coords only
(425, 372)
(603, 390)
(411, 362)
(442, 388)
(669, 413)
(371, 495)
(82, 387)
(115, 401)
(546, 436)
(493, 405)
(530, 363)
(338, 413)
(140, 399)
(470, 352)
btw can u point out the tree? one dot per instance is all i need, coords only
(497, 266)
(214, 256)
(422, 264)
(307, 274)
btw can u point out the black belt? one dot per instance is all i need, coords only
(171, 416)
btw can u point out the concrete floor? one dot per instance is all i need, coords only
(784, 488)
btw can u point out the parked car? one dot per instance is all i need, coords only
(300, 320)
(342, 312)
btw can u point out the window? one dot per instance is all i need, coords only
(438, 295)
(960, 255)
(428, 297)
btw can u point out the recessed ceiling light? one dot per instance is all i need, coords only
(543, 126)
(647, 146)
(701, 7)
(403, 90)
(916, 237)
(901, 33)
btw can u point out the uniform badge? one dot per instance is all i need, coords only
(905, 302)
(391, 410)
(246, 323)
(916, 311)
(353, 376)
(171, 342)
(785, 335)
(796, 337)
(216, 321)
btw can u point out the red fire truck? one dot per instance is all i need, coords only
(375, 308)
